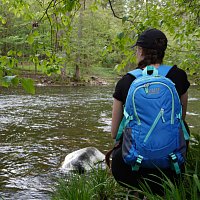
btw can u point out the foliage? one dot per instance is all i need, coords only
(7, 78)
(57, 35)
(99, 184)
(179, 19)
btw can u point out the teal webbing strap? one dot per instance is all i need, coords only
(125, 120)
(121, 128)
(150, 68)
(137, 163)
(186, 135)
(175, 163)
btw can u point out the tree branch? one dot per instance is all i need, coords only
(115, 14)
(46, 11)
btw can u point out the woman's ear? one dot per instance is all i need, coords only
(139, 54)
(140, 51)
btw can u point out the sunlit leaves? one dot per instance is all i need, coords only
(28, 85)
(124, 19)
(6, 81)
(69, 5)
(178, 19)
(55, 43)
(94, 6)
(30, 39)
(2, 20)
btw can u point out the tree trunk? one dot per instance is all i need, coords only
(80, 35)
(77, 73)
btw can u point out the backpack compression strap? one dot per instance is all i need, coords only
(175, 163)
(126, 119)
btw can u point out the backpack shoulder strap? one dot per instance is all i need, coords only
(136, 73)
(164, 69)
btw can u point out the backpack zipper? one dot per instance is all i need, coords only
(134, 107)
(145, 86)
(172, 114)
(160, 115)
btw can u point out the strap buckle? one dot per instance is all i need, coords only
(174, 160)
(137, 163)
(173, 157)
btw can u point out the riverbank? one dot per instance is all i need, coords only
(97, 76)
(94, 76)
(100, 184)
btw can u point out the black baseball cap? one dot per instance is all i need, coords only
(148, 39)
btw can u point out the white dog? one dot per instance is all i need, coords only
(83, 160)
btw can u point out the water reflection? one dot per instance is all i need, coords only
(37, 132)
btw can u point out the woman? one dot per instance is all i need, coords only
(150, 50)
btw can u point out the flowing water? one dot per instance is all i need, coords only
(37, 132)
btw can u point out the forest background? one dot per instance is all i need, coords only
(79, 39)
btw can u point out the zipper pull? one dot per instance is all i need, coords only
(162, 115)
(146, 88)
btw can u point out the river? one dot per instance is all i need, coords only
(38, 131)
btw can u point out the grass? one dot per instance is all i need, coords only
(100, 184)
(97, 184)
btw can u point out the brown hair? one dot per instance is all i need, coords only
(152, 56)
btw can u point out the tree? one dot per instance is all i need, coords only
(58, 35)
(179, 19)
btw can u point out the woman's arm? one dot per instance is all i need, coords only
(184, 101)
(117, 114)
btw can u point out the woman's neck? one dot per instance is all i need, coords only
(155, 65)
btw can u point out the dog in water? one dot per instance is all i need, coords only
(84, 160)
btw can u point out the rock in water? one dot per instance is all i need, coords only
(84, 160)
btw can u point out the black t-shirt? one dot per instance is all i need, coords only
(176, 75)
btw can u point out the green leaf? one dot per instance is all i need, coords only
(10, 53)
(48, 53)
(4, 83)
(94, 7)
(15, 81)
(35, 33)
(124, 19)
(28, 85)
(120, 35)
(3, 21)
(30, 39)
(19, 53)
(7, 80)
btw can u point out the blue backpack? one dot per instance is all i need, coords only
(154, 135)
